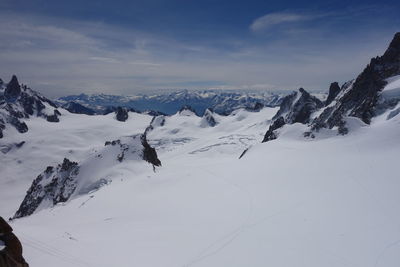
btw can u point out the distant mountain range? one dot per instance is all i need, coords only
(170, 103)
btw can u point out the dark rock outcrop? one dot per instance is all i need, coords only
(256, 107)
(295, 108)
(54, 185)
(303, 108)
(20, 102)
(121, 114)
(13, 89)
(334, 90)
(208, 119)
(157, 121)
(271, 134)
(60, 183)
(54, 117)
(360, 98)
(149, 153)
(11, 256)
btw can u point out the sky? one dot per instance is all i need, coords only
(126, 47)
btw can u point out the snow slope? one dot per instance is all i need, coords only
(288, 202)
(392, 89)
(76, 137)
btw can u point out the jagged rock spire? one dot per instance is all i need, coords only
(334, 89)
(393, 51)
(13, 89)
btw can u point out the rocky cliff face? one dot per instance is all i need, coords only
(54, 185)
(20, 102)
(60, 183)
(208, 119)
(295, 108)
(361, 98)
(121, 114)
(334, 90)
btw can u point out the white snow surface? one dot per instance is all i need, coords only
(291, 202)
(392, 89)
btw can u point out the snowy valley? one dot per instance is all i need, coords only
(302, 181)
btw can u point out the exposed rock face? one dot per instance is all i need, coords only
(208, 119)
(54, 185)
(19, 102)
(360, 98)
(11, 255)
(54, 117)
(334, 90)
(256, 107)
(295, 108)
(149, 153)
(13, 89)
(271, 134)
(77, 108)
(62, 182)
(121, 114)
(157, 121)
(303, 108)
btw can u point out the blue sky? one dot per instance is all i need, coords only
(125, 47)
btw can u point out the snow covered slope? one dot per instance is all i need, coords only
(331, 200)
(75, 137)
(288, 202)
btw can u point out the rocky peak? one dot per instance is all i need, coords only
(392, 54)
(256, 107)
(360, 98)
(20, 102)
(121, 114)
(302, 109)
(208, 119)
(54, 185)
(13, 89)
(60, 183)
(295, 108)
(334, 90)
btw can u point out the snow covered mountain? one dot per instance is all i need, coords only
(20, 102)
(372, 93)
(64, 181)
(169, 103)
(97, 199)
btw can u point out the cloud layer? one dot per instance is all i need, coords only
(65, 56)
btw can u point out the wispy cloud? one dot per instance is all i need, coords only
(268, 20)
(59, 57)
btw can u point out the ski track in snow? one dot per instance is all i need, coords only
(224, 241)
(276, 210)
